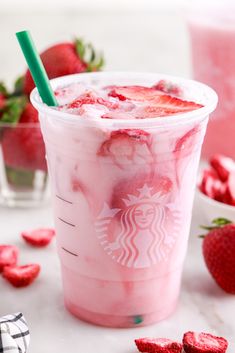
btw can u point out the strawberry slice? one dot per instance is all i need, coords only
(38, 237)
(231, 188)
(134, 93)
(90, 98)
(8, 256)
(21, 276)
(210, 183)
(223, 166)
(194, 342)
(126, 146)
(158, 345)
(164, 105)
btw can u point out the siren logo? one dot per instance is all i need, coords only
(142, 232)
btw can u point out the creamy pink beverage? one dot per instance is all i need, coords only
(123, 151)
(213, 54)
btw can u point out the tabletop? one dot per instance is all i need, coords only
(143, 41)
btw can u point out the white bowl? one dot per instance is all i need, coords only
(213, 209)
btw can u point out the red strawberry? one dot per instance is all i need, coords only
(21, 276)
(65, 59)
(218, 251)
(22, 144)
(158, 345)
(8, 256)
(38, 237)
(168, 87)
(210, 184)
(223, 166)
(126, 146)
(231, 188)
(194, 342)
(2, 101)
(3, 97)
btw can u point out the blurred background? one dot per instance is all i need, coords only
(140, 35)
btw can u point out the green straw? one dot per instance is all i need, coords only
(36, 68)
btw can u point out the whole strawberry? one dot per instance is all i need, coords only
(219, 253)
(65, 59)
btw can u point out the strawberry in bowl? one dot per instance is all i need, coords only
(216, 188)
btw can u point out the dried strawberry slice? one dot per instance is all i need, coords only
(194, 342)
(223, 166)
(231, 188)
(21, 276)
(158, 345)
(38, 237)
(8, 256)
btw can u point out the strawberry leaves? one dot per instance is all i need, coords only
(13, 109)
(18, 86)
(87, 53)
(3, 90)
(217, 223)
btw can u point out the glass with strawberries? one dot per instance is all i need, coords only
(23, 170)
(122, 153)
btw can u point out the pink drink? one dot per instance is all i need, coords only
(213, 54)
(123, 191)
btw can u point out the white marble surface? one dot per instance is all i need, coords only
(143, 41)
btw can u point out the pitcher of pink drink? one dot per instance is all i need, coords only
(212, 33)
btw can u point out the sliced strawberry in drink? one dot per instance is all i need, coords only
(8, 256)
(231, 188)
(134, 93)
(141, 184)
(168, 87)
(223, 166)
(194, 342)
(90, 98)
(158, 345)
(38, 237)
(126, 146)
(21, 276)
(164, 105)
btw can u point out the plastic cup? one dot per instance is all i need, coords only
(212, 34)
(122, 204)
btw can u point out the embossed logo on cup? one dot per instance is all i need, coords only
(143, 232)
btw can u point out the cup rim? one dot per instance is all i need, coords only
(179, 119)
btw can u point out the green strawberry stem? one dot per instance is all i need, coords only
(219, 222)
(88, 54)
(3, 89)
(13, 109)
(18, 86)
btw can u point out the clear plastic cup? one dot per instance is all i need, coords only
(123, 203)
(23, 168)
(212, 34)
